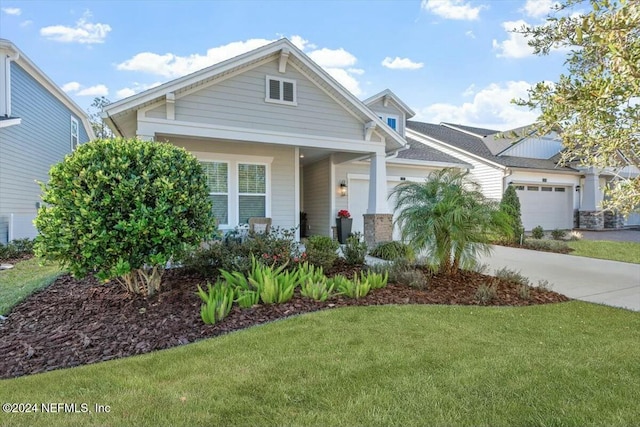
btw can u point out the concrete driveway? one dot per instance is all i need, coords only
(605, 282)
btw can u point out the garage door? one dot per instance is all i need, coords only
(548, 206)
(359, 201)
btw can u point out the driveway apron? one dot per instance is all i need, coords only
(605, 282)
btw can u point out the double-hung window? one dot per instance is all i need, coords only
(75, 139)
(252, 191)
(217, 174)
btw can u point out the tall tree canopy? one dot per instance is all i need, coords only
(597, 103)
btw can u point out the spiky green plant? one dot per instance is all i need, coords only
(375, 280)
(319, 290)
(217, 302)
(356, 288)
(448, 218)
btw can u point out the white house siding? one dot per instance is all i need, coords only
(282, 185)
(317, 196)
(239, 101)
(28, 150)
(488, 176)
(548, 209)
(535, 148)
(391, 108)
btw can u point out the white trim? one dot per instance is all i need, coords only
(282, 63)
(281, 100)
(296, 190)
(228, 187)
(390, 178)
(541, 184)
(333, 190)
(10, 122)
(77, 135)
(149, 125)
(390, 95)
(267, 193)
(412, 162)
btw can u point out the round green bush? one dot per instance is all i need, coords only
(122, 208)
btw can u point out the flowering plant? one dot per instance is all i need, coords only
(344, 214)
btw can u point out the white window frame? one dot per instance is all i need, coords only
(266, 185)
(281, 101)
(217, 193)
(74, 124)
(233, 161)
(385, 118)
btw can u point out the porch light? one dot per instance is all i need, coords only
(577, 188)
(343, 188)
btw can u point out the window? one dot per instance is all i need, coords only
(252, 191)
(532, 188)
(559, 189)
(547, 189)
(282, 91)
(75, 140)
(217, 174)
(520, 187)
(389, 119)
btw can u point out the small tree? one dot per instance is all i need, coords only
(448, 217)
(100, 128)
(122, 209)
(510, 205)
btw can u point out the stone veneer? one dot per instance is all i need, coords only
(591, 220)
(613, 220)
(378, 228)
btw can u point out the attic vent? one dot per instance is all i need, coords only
(281, 91)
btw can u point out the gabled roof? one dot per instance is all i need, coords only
(283, 46)
(478, 146)
(390, 95)
(470, 129)
(421, 152)
(26, 64)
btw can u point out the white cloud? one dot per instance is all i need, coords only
(16, 11)
(77, 89)
(491, 108)
(516, 45)
(137, 87)
(470, 90)
(401, 63)
(71, 87)
(84, 32)
(97, 90)
(337, 62)
(470, 34)
(539, 8)
(452, 9)
(26, 23)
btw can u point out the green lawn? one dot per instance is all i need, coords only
(604, 249)
(570, 364)
(22, 280)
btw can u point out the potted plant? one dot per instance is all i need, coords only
(303, 224)
(343, 225)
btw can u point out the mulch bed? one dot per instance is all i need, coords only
(77, 322)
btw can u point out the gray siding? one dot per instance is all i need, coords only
(317, 197)
(391, 108)
(240, 102)
(28, 150)
(283, 211)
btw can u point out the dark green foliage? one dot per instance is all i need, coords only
(321, 251)
(122, 209)
(16, 249)
(510, 205)
(547, 245)
(355, 250)
(558, 234)
(392, 251)
(537, 232)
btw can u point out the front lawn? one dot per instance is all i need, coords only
(604, 249)
(561, 364)
(24, 279)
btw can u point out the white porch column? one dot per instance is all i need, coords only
(591, 191)
(378, 185)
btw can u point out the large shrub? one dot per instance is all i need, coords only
(510, 205)
(448, 217)
(123, 208)
(322, 251)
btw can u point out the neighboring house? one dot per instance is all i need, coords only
(39, 125)
(551, 196)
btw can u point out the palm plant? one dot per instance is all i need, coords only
(448, 218)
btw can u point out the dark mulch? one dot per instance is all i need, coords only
(76, 322)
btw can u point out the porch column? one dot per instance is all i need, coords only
(378, 221)
(590, 215)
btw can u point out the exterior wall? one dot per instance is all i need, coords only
(489, 177)
(239, 101)
(282, 172)
(317, 197)
(535, 148)
(391, 108)
(28, 150)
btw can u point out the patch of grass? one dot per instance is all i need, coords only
(604, 249)
(566, 364)
(22, 280)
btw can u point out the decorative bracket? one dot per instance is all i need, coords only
(368, 130)
(171, 106)
(284, 57)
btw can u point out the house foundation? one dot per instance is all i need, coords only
(377, 228)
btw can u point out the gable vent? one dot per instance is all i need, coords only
(287, 94)
(274, 89)
(280, 91)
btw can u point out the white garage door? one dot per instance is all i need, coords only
(359, 201)
(545, 205)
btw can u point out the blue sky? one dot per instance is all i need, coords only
(449, 60)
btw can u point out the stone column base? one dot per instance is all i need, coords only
(377, 228)
(613, 220)
(591, 220)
